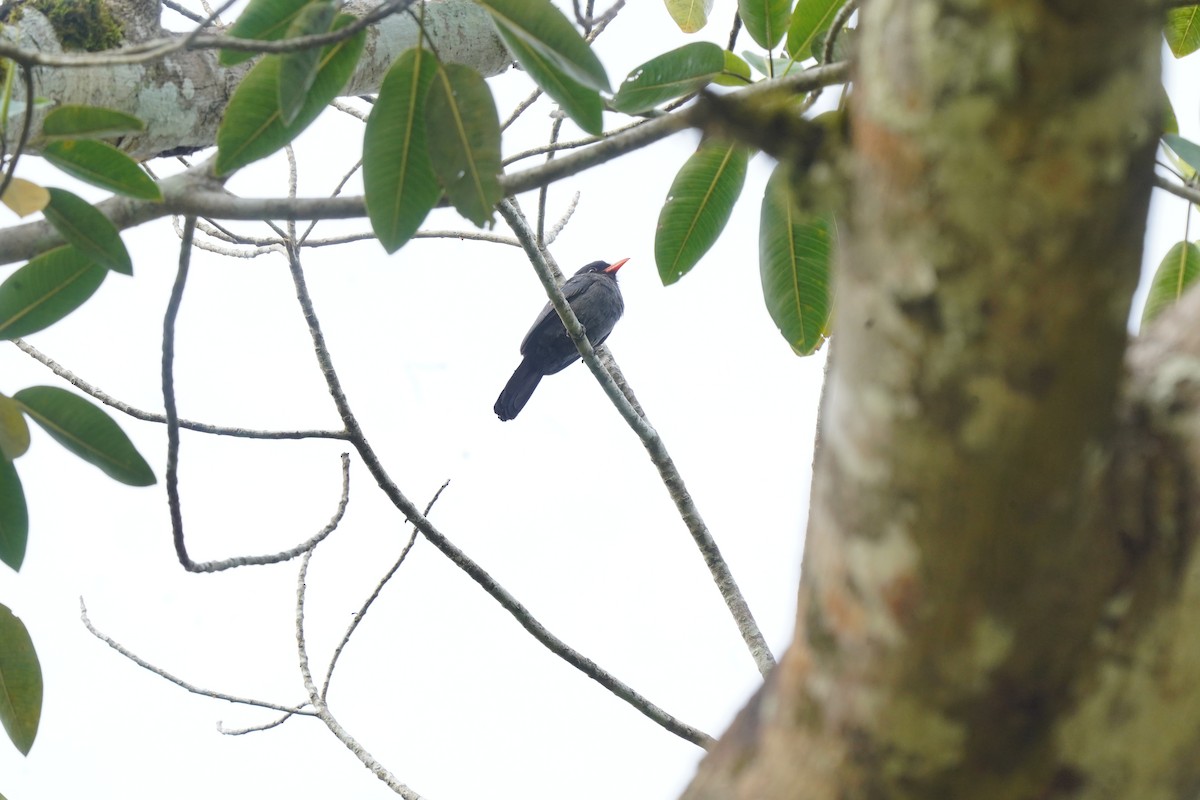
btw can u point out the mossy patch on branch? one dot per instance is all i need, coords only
(85, 25)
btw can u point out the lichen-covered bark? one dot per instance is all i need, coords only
(966, 564)
(181, 97)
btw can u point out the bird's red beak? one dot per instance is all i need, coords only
(616, 265)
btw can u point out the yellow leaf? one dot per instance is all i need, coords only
(689, 15)
(14, 431)
(25, 197)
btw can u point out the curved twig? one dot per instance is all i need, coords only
(26, 126)
(172, 471)
(457, 556)
(162, 673)
(322, 711)
(366, 606)
(146, 416)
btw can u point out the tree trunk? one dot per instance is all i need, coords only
(998, 597)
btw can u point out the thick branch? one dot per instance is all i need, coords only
(181, 97)
(194, 192)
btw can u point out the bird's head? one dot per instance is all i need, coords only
(603, 267)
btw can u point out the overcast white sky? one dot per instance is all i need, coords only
(561, 505)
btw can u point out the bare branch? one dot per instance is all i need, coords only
(362, 612)
(266, 726)
(146, 416)
(457, 556)
(146, 665)
(835, 29)
(555, 128)
(650, 439)
(182, 10)
(195, 192)
(1189, 193)
(172, 471)
(26, 124)
(562, 221)
(322, 710)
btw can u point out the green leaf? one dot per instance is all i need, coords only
(673, 74)
(1169, 122)
(1188, 151)
(689, 15)
(1183, 30)
(765, 20)
(810, 19)
(298, 69)
(253, 126)
(47, 289)
(86, 431)
(84, 121)
(778, 66)
(1176, 272)
(698, 206)
(398, 179)
(735, 73)
(843, 45)
(14, 517)
(463, 132)
(264, 20)
(543, 28)
(14, 432)
(578, 101)
(794, 260)
(103, 165)
(82, 225)
(20, 682)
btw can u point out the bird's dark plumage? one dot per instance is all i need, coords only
(594, 296)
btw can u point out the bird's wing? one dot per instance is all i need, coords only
(548, 316)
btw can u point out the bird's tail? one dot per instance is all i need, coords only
(517, 391)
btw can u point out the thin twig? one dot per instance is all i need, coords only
(26, 124)
(588, 20)
(835, 29)
(366, 606)
(162, 673)
(337, 190)
(265, 726)
(562, 222)
(593, 27)
(322, 710)
(457, 556)
(734, 30)
(214, 16)
(172, 471)
(520, 109)
(653, 443)
(183, 11)
(545, 190)
(146, 416)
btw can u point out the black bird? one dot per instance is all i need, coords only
(594, 296)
